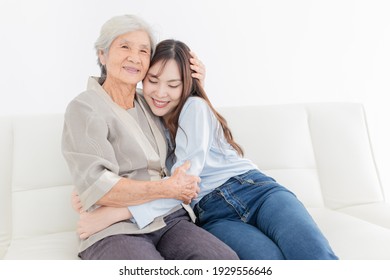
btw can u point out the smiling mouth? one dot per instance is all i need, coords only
(131, 70)
(159, 104)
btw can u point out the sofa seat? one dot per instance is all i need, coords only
(352, 238)
(56, 246)
(376, 213)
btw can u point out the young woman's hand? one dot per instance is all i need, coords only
(91, 222)
(76, 204)
(99, 219)
(199, 69)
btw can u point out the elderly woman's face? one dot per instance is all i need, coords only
(128, 58)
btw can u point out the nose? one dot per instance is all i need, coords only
(134, 57)
(161, 92)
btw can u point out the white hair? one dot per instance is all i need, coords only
(117, 26)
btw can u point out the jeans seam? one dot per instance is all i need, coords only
(243, 216)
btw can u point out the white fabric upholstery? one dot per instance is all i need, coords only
(35, 189)
(320, 151)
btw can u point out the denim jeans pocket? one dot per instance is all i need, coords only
(205, 204)
(214, 206)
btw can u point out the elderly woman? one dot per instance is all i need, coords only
(116, 152)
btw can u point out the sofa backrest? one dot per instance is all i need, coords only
(6, 147)
(35, 184)
(321, 151)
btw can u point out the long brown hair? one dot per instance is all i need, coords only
(180, 52)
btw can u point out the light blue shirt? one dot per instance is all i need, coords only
(200, 140)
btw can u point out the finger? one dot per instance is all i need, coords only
(187, 201)
(185, 166)
(78, 208)
(197, 63)
(83, 235)
(193, 54)
(75, 196)
(197, 180)
(198, 70)
(197, 76)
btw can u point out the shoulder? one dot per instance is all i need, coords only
(140, 96)
(83, 101)
(196, 103)
(196, 108)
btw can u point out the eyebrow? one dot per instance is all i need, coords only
(169, 81)
(142, 46)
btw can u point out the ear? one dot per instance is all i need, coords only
(102, 57)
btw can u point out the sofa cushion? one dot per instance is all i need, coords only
(342, 148)
(277, 138)
(52, 211)
(40, 178)
(352, 238)
(6, 148)
(376, 213)
(38, 161)
(57, 246)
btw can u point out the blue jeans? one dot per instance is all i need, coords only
(260, 219)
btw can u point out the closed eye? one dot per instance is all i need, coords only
(152, 81)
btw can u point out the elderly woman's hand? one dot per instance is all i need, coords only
(182, 186)
(199, 69)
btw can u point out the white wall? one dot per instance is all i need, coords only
(256, 51)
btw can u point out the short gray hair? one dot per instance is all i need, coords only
(118, 26)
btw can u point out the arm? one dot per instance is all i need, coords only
(93, 221)
(193, 139)
(127, 192)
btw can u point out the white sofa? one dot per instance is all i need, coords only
(320, 151)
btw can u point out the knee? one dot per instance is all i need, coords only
(214, 251)
(260, 253)
(226, 253)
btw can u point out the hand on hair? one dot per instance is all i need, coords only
(199, 69)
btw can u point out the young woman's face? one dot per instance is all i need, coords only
(128, 58)
(163, 92)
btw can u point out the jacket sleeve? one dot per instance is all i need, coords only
(89, 154)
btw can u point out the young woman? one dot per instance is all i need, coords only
(243, 207)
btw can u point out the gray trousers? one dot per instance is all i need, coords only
(179, 240)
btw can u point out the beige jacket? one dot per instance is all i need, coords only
(102, 143)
